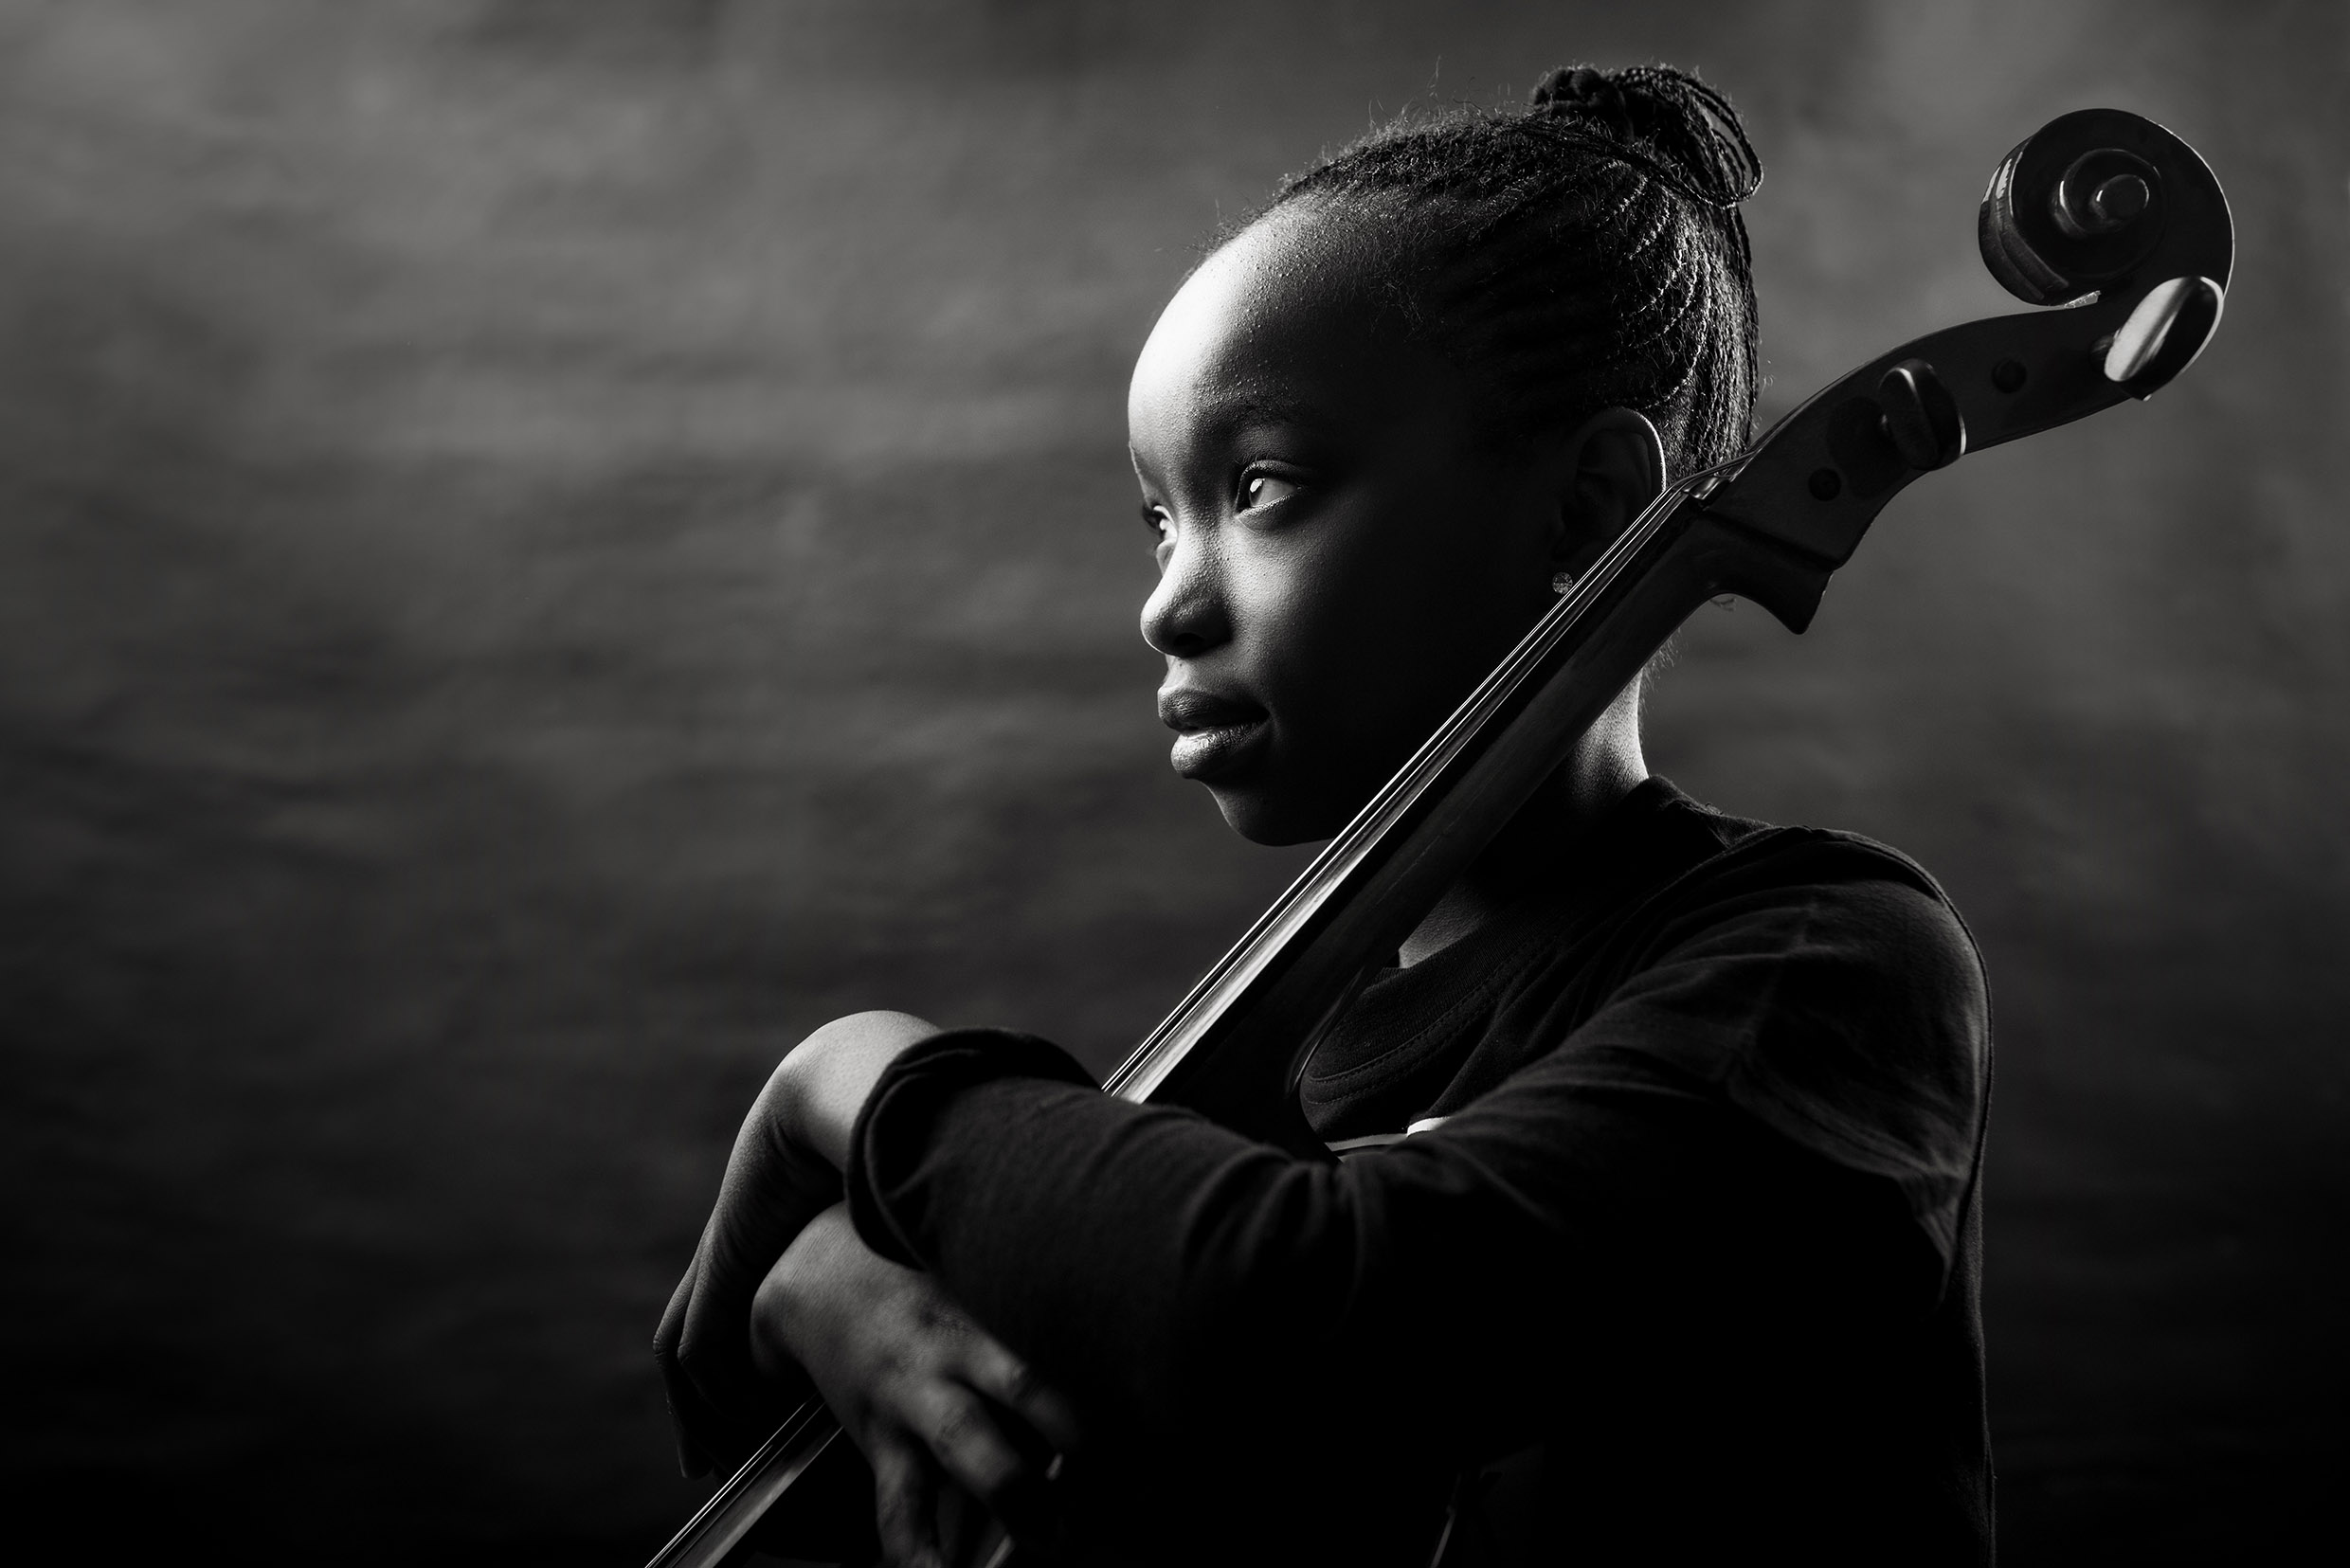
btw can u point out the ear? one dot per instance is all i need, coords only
(1611, 468)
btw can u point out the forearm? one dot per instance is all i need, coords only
(1174, 1270)
(1139, 1252)
(783, 1172)
(786, 1334)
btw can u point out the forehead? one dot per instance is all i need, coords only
(1283, 323)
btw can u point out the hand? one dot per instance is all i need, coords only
(937, 1405)
(783, 1171)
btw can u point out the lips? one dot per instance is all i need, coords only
(1216, 735)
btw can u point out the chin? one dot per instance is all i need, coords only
(1263, 817)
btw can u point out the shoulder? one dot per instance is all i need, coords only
(1823, 983)
(1834, 894)
(1747, 845)
(1761, 932)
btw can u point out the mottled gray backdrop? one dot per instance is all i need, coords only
(547, 546)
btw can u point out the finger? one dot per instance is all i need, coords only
(673, 1319)
(1011, 1382)
(726, 1406)
(715, 1339)
(713, 1349)
(684, 1399)
(968, 1439)
(965, 1526)
(770, 1193)
(905, 1494)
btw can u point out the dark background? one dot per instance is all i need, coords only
(548, 547)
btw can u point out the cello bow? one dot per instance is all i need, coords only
(2100, 213)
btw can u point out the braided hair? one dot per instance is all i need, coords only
(1581, 253)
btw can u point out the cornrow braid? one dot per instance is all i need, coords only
(1581, 253)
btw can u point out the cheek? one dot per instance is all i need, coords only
(1371, 635)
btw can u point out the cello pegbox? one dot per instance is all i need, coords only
(1921, 417)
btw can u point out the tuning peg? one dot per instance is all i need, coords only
(2163, 335)
(1922, 419)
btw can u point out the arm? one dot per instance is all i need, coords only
(1669, 1149)
(783, 1171)
(782, 1288)
(938, 1406)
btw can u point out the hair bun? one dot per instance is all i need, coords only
(1688, 132)
(1585, 92)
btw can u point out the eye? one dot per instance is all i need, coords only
(1156, 520)
(1261, 490)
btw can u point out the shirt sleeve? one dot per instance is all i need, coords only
(1609, 1198)
(1828, 990)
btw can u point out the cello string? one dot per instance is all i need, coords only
(1162, 1049)
(731, 1513)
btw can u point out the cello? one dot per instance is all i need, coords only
(2112, 224)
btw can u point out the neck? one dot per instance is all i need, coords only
(1604, 766)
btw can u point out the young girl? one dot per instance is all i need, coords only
(1679, 1261)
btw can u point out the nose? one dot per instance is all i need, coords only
(1185, 615)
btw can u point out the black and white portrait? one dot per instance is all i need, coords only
(641, 640)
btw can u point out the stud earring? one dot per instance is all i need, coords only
(1562, 582)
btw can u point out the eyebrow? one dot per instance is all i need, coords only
(1244, 408)
(1247, 408)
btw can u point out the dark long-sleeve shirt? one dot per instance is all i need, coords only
(1691, 1264)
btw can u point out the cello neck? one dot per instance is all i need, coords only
(2144, 295)
(1234, 1046)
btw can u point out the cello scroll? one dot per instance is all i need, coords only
(2101, 212)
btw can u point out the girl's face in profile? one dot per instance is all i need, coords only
(1340, 559)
